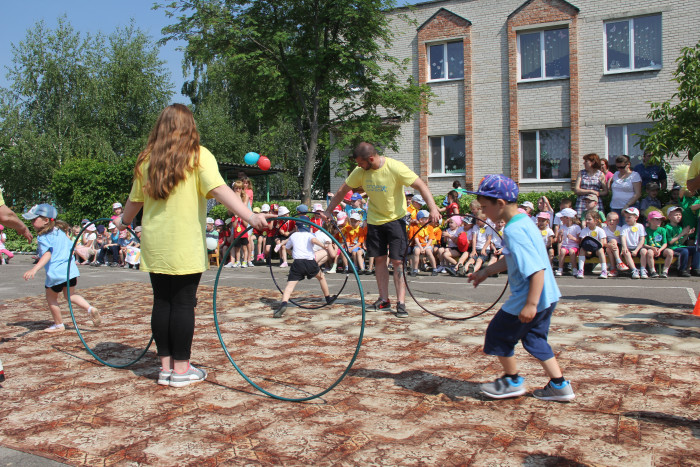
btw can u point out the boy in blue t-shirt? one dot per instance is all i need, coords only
(526, 314)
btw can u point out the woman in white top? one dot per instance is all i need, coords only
(625, 185)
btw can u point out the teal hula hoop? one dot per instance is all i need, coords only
(359, 340)
(70, 305)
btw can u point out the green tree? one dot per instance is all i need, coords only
(74, 96)
(322, 65)
(677, 120)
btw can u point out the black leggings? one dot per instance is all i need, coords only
(172, 320)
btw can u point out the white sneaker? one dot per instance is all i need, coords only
(284, 265)
(558, 272)
(644, 274)
(237, 264)
(579, 275)
(228, 265)
(244, 264)
(250, 264)
(332, 270)
(277, 247)
(603, 275)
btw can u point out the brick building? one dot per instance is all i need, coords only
(527, 88)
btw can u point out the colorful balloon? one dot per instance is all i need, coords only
(264, 163)
(251, 158)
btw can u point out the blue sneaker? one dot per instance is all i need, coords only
(555, 392)
(504, 387)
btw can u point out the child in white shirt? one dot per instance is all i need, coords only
(592, 242)
(547, 233)
(568, 240)
(612, 236)
(480, 238)
(632, 237)
(497, 241)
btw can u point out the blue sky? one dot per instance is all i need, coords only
(87, 16)
(92, 16)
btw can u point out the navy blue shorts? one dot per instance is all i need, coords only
(505, 330)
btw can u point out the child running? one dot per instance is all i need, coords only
(54, 256)
(304, 265)
(526, 315)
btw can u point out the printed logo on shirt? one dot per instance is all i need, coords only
(634, 229)
(617, 233)
(594, 234)
(375, 188)
(658, 237)
(543, 232)
(482, 230)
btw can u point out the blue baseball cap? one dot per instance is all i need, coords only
(303, 227)
(497, 186)
(355, 197)
(43, 210)
(422, 214)
(302, 208)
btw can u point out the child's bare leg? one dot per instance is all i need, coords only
(321, 256)
(415, 260)
(572, 259)
(76, 299)
(668, 259)
(371, 263)
(629, 260)
(431, 257)
(509, 364)
(283, 254)
(562, 255)
(289, 288)
(551, 367)
(643, 258)
(361, 259)
(478, 263)
(601, 257)
(52, 299)
(324, 285)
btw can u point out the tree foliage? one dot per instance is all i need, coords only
(74, 96)
(319, 65)
(677, 120)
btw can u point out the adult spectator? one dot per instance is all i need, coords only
(626, 186)
(590, 181)
(651, 172)
(605, 168)
(383, 179)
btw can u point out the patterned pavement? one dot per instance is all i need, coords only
(411, 398)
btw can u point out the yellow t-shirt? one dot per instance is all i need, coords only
(172, 236)
(384, 186)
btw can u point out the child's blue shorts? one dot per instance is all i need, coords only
(505, 330)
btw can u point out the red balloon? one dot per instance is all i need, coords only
(264, 163)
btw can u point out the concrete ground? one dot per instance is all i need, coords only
(630, 348)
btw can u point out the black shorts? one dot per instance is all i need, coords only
(58, 288)
(303, 269)
(391, 236)
(241, 242)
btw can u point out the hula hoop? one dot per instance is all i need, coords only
(359, 340)
(434, 313)
(268, 262)
(70, 305)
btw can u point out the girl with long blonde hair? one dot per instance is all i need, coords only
(173, 178)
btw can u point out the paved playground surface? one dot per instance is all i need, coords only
(411, 398)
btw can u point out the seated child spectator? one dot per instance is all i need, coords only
(480, 240)
(556, 223)
(284, 231)
(318, 218)
(3, 249)
(125, 239)
(568, 239)
(497, 241)
(452, 208)
(474, 213)
(211, 232)
(111, 246)
(612, 247)
(528, 207)
(632, 240)
(450, 251)
(84, 250)
(341, 219)
(676, 236)
(422, 243)
(543, 218)
(133, 251)
(656, 245)
(592, 242)
(591, 204)
(240, 244)
(356, 206)
(355, 236)
(651, 200)
(674, 198)
(304, 266)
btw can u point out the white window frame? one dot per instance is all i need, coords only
(631, 68)
(537, 166)
(625, 138)
(429, 45)
(542, 57)
(442, 172)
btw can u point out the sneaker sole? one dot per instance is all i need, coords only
(401, 315)
(164, 382)
(564, 398)
(182, 384)
(518, 393)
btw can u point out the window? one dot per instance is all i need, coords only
(447, 154)
(549, 47)
(546, 154)
(622, 139)
(446, 61)
(633, 44)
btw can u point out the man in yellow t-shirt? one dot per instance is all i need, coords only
(384, 179)
(10, 219)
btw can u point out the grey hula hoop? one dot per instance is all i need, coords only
(72, 314)
(359, 340)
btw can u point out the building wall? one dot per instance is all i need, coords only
(501, 107)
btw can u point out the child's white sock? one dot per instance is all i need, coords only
(604, 267)
(581, 260)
